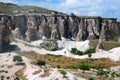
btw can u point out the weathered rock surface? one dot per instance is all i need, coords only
(5, 33)
(50, 45)
(64, 26)
(61, 26)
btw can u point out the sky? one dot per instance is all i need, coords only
(104, 8)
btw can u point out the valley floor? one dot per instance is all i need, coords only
(29, 71)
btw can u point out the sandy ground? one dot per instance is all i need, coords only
(7, 64)
(6, 60)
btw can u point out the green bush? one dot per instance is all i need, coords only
(101, 71)
(63, 73)
(58, 66)
(17, 78)
(89, 55)
(90, 50)
(91, 79)
(84, 66)
(79, 52)
(73, 50)
(40, 62)
(17, 58)
(54, 49)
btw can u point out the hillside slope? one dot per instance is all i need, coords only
(11, 9)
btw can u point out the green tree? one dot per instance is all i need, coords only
(17, 58)
(63, 73)
(73, 50)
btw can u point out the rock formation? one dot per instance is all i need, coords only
(5, 33)
(62, 26)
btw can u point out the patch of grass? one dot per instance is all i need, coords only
(20, 74)
(84, 66)
(107, 45)
(53, 60)
(68, 62)
(52, 55)
(108, 73)
(36, 72)
(113, 35)
(100, 63)
(46, 73)
(90, 50)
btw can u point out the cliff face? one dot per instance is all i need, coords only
(33, 27)
(5, 32)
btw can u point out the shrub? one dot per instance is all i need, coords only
(16, 78)
(63, 73)
(2, 77)
(40, 62)
(101, 71)
(8, 78)
(89, 55)
(54, 49)
(91, 79)
(79, 52)
(48, 54)
(90, 50)
(73, 50)
(58, 66)
(17, 58)
(84, 66)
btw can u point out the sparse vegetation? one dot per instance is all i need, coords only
(63, 72)
(113, 35)
(84, 66)
(11, 9)
(2, 77)
(20, 75)
(78, 52)
(107, 73)
(17, 78)
(17, 58)
(46, 73)
(91, 79)
(106, 44)
(40, 62)
(71, 63)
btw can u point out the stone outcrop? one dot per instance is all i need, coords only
(57, 26)
(20, 22)
(50, 45)
(70, 27)
(5, 33)
(62, 26)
